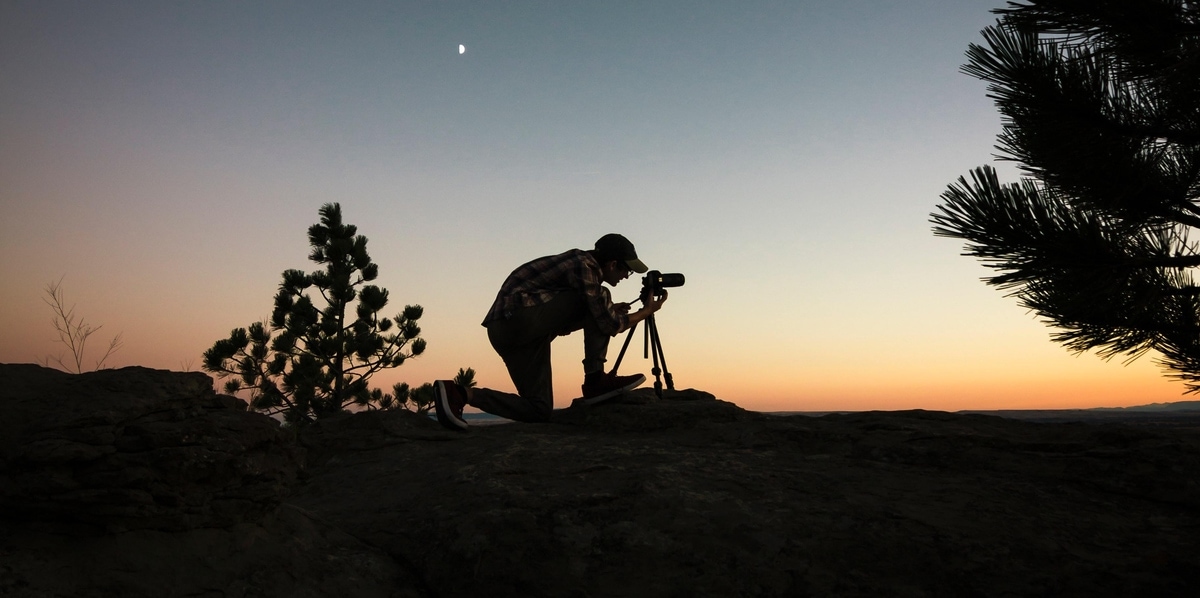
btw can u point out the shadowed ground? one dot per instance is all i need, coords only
(700, 498)
(138, 482)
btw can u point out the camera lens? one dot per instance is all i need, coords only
(670, 280)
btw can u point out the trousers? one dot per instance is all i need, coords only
(523, 341)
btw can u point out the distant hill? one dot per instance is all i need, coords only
(1175, 414)
(1157, 407)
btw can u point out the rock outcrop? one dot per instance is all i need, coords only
(135, 448)
(686, 496)
(700, 498)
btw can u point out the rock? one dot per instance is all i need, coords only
(135, 449)
(346, 434)
(702, 498)
(686, 495)
(285, 553)
(642, 411)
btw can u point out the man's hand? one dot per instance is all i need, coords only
(655, 303)
(649, 306)
(622, 308)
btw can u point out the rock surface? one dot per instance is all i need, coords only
(135, 449)
(288, 553)
(701, 498)
(688, 496)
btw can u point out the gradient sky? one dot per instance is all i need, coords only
(165, 160)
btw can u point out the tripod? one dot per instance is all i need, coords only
(652, 345)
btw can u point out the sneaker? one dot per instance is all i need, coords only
(449, 401)
(602, 387)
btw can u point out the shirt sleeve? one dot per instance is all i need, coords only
(599, 301)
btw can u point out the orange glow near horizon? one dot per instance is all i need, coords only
(1067, 382)
(808, 369)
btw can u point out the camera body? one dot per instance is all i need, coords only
(654, 283)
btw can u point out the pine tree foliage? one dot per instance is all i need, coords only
(311, 361)
(465, 378)
(1100, 106)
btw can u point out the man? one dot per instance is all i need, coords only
(548, 297)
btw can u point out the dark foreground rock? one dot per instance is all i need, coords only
(688, 496)
(287, 553)
(700, 498)
(139, 482)
(135, 449)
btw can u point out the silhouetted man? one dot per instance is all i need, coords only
(548, 297)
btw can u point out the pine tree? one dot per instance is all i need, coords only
(312, 363)
(420, 399)
(1100, 105)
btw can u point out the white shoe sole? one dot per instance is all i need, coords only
(444, 413)
(612, 393)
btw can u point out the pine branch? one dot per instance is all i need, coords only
(1100, 105)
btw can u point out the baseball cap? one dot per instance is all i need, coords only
(616, 247)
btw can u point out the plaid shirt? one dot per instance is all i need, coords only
(537, 282)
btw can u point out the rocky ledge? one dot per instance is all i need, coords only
(687, 496)
(135, 449)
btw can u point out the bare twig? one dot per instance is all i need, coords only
(73, 332)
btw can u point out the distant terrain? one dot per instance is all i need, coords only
(1176, 414)
(139, 482)
(1175, 406)
(1179, 413)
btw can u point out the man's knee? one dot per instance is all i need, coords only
(535, 413)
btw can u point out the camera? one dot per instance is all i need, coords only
(654, 282)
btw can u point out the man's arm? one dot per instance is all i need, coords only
(649, 306)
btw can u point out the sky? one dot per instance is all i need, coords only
(164, 161)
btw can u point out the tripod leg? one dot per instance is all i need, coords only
(621, 355)
(653, 348)
(660, 356)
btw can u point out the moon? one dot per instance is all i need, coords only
(461, 49)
